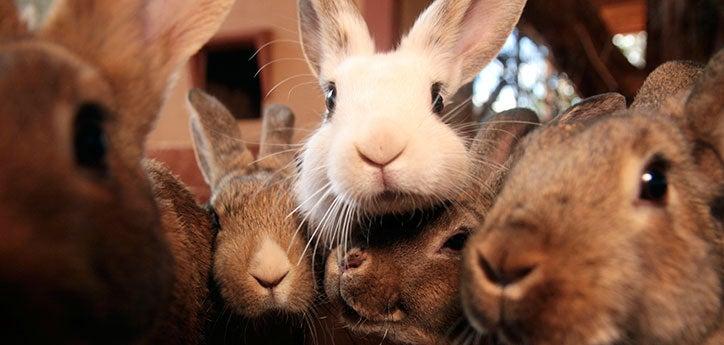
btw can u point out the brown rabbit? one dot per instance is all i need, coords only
(609, 234)
(402, 281)
(260, 264)
(84, 256)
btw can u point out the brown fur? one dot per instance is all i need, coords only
(253, 202)
(84, 256)
(189, 234)
(666, 81)
(592, 263)
(10, 25)
(593, 107)
(406, 285)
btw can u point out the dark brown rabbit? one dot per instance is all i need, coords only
(84, 256)
(401, 282)
(261, 265)
(609, 234)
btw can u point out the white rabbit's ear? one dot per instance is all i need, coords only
(467, 34)
(220, 151)
(10, 24)
(331, 30)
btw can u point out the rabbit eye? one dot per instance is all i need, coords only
(654, 184)
(89, 138)
(330, 96)
(438, 104)
(456, 242)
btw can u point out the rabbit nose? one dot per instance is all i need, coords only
(353, 260)
(270, 264)
(270, 282)
(379, 159)
(504, 276)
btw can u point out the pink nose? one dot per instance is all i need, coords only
(379, 158)
(353, 260)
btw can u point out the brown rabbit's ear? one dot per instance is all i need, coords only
(705, 107)
(331, 30)
(10, 24)
(669, 79)
(275, 151)
(499, 136)
(217, 140)
(137, 45)
(593, 107)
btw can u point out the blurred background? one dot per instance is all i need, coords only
(562, 51)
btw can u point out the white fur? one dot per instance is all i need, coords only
(384, 111)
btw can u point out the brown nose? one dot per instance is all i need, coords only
(354, 260)
(270, 282)
(504, 275)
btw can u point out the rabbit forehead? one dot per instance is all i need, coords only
(598, 164)
(387, 76)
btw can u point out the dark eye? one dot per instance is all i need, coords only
(456, 242)
(330, 96)
(89, 139)
(654, 185)
(438, 104)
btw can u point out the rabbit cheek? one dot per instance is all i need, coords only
(363, 290)
(313, 182)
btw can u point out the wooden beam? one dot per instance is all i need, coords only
(581, 46)
(625, 16)
(684, 30)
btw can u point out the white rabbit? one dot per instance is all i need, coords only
(386, 143)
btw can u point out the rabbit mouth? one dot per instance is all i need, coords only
(362, 315)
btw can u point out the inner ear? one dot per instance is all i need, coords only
(331, 30)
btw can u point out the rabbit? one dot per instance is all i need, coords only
(262, 267)
(189, 234)
(611, 233)
(401, 281)
(84, 256)
(373, 153)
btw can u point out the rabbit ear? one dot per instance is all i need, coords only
(331, 30)
(137, 45)
(217, 139)
(275, 151)
(593, 107)
(498, 137)
(10, 24)
(464, 34)
(705, 107)
(666, 81)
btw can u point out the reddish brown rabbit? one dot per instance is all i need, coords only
(610, 234)
(260, 264)
(401, 282)
(84, 255)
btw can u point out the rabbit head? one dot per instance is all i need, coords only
(402, 281)
(83, 255)
(607, 233)
(260, 263)
(386, 143)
